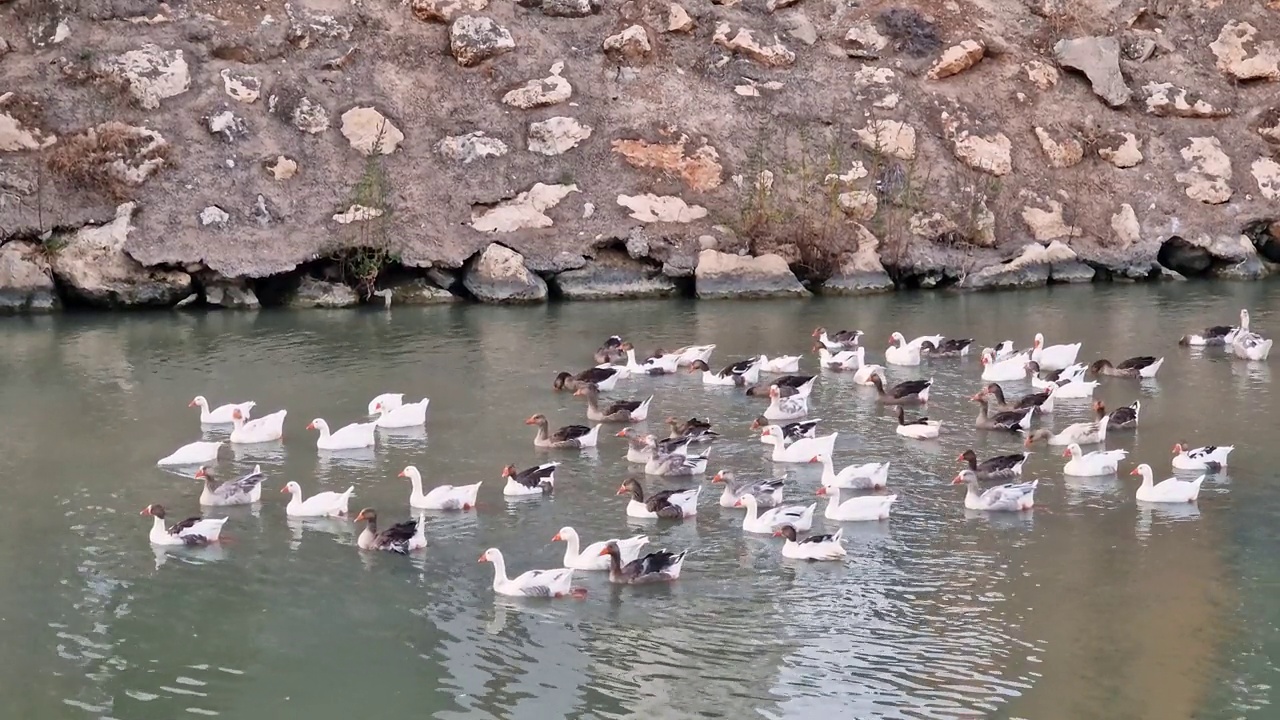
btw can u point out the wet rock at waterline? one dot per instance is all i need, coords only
(94, 267)
(723, 275)
(416, 291)
(26, 280)
(498, 275)
(610, 275)
(314, 293)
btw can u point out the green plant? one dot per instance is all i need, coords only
(365, 261)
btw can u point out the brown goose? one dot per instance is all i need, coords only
(567, 437)
(670, 504)
(1000, 467)
(1125, 418)
(604, 379)
(693, 429)
(658, 566)
(1010, 420)
(910, 392)
(949, 347)
(1144, 366)
(1040, 399)
(625, 411)
(611, 351)
(402, 538)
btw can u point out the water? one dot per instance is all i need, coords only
(1089, 606)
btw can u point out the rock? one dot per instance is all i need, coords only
(889, 137)
(743, 42)
(956, 59)
(307, 28)
(1030, 268)
(18, 130)
(1234, 58)
(26, 280)
(859, 272)
(632, 43)
(800, 27)
(722, 275)
(1166, 100)
(1099, 59)
(357, 213)
(214, 215)
(613, 275)
(990, 154)
(313, 293)
(1071, 271)
(700, 170)
(1268, 125)
(568, 8)
(476, 38)
(227, 125)
(119, 155)
(1048, 224)
(1041, 75)
(150, 73)
(1121, 149)
(370, 131)
(776, 5)
(261, 211)
(241, 88)
(442, 278)
(930, 226)
(498, 275)
(1266, 172)
(230, 294)
(93, 265)
(282, 168)
(661, 208)
(1124, 225)
(859, 205)
(557, 135)
(1061, 154)
(1207, 179)
(1236, 258)
(864, 42)
(296, 107)
(471, 147)
(678, 19)
(555, 263)
(524, 211)
(549, 90)
(1138, 48)
(4, 47)
(418, 291)
(445, 11)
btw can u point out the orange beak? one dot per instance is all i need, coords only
(621, 433)
(284, 489)
(191, 404)
(822, 490)
(960, 457)
(557, 538)
(1134, 472)
(737, 503)
(777, 533)
(145, 511)
(530, 421)
(957, 480)
(311, 426)
(622, 490)
(717, 478)
(577, 392)
(482, 559)
(1066, 453)
(755, 424)
(1177, 449)
(506, 472)
(815, 458)
(201, 473)
(604, 550)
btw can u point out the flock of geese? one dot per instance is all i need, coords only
(854, 494)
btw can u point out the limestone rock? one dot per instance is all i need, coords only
(150, 73)
(700, 170)
(557, 135)
(776, 5)
(370, 131)
(864, 42)
(859, 205)
(1234, 58)
(240, 87)
(445, 11)
(612, 275)
(889, 137)
(15, 132)
(722, 275)
(744, 43)
(214, 215)
(956, 59)
(94, 266)
(800, 27)
(471, 147)
(297, 108)
(313, 293)
(1124, 225)
(358, 213)
(498, 275)
(525, 210)
(1207, 179)
(1071, 271)
(1062, 153)
(678, 19)
(226, 125)
(632, 43)
(989, 153)
(307, 29)
(26, 280)
(1268, 125)
(1267, 174)
(555, 263)
(418, 291)
(282, 168)
(547, 91)
(1122, 150)
(230, 294)
(930, 225)
(859, 272)
(476, 38)
(1030, 268)
(1049, 224)
(1166, 100)
(1041, 75)
(1099, 59)
(565, 8)
(661, 208)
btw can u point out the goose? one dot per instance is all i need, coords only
(1000, 467)
(626, 411)
(921, 428)
(814, 547)
(1010, 497)
(900, 353)
(919, 342)
(768, 493)
(852, 360)
(1006, 370)
(605, 379)
(267, 428)
(801, 384)
(859, 508)
(220, 415)
(1053, 357)
(610, 351)
(390, 401)
(1250, 346)
(567, 437)
(1173, 490)
(842, 340)
(1218, 335)
(444, 497)
(780, 364)
(193, 531)
(658, 566)
(349, 437)
(1010, 420)
(1042, 400)
(245, 490)
(690, 354)
(1005, 349)
(1210, 457)
(659, 365)
(669, 504)
(556, 583)
(1081, 433)
(910, 392)
(1069, 385)
(949, 347)
(401, 538)
(798, 516)
(530, 481)
(800, 451)
(195, 453)
(1094, 464)
(405, 416)
(786, 408)
(741, 373)
(322, 504)
(641, 448)
(1144, 366)
(694, 430)
(867, 476)
(838, 361)
(676, 464)
(1125, 418)
(589, 557)
(789, 432)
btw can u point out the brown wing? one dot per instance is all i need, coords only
(570, 432)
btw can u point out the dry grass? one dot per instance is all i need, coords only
(99, 159)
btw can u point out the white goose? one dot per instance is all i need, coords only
(322, 504)
(670, 504)
(800, 451)
(689, 354)
(192, 531)
(797, 516)
(1053, 357)
(536, 480)
(1081, 433)
(1094, 464)
(195, 453)
(868, 476)
(220, 415)
(900, 352)
(780, 364)
(1250, 346)
(267, 428)
(1006, 370)
(1218, 334)
(390, 401)
(444, 497)
(592, 557)
(1172, 490)
(531, 583)
(1210, 457)
(792, 407)
(1010, 497)
(859, 508)
(348, 437)
(406, 415)
(814, 547)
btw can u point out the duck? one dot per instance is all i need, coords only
(194, 453)
(800, 451)
(1143, 366)
(691, 353)
(1081, 433)
(1042, 400)
(1094, 464)
(406, 416)
(949, 347)
(625, 411)
(220, 415)
(780, 364)
(605, 379)
(1069, 385)
(444, 497)
(814, 547)
(789, 432)
(1006, 370)
(401, 538)
(192, 532)
(658, 566)
(1250, 346)
(842, 340)
(658, 365)
(1010, 420)
(322, 504)
(851, 360)
(245, 490)
(268, 428)
(921, 428)
(798, 516)
(910, 392)
(390, 401)
(1053, 357)
(1125, 418)
(676, 464)
(900, 353)
(1173, 490)
(786, 408)
(556, 583)
(694, 430)
(569, 437)
(1000, 467)
(768, 493)
(1218, 335)
(858, 508)
(867, 476)
(530, 481)
(670, 504)
(589, 557)
(1209, 457)
(348, 437)
(741, 373)
(1010, 497)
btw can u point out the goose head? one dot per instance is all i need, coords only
(155, 510)
(492, 555)
(785, 531)
(697, 365)
(323, 426)
(1244, 319)
(1144, 470)
(291, 487)
(510, 471)
(538, 419)
(964, 476)
(1073, 450)
(368, 515)
(411, 473)
(199, 401)
(897, 340)
(566, 533)
(1039, 341)
(722, 476)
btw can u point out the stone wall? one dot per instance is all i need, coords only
(330, 152)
